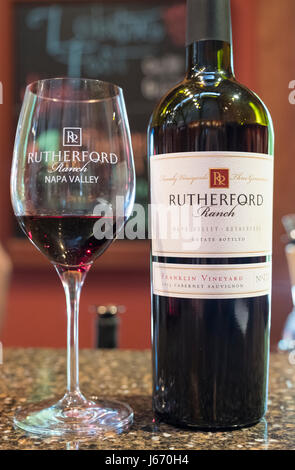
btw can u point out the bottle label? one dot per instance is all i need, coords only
(211, 281)
(211, 204)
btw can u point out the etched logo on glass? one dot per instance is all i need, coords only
(72, 136)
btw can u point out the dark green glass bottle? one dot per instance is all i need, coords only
(210, 145)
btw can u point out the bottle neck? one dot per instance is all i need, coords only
(209, 56)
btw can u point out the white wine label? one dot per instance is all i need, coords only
(193, 281)
(211, 204)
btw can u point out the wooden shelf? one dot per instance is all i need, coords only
(123, 255)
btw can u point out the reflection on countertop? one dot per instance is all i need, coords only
(33, 374)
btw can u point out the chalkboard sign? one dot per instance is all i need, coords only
(139, 46)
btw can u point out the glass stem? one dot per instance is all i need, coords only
(72, 281)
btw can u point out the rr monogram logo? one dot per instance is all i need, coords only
(219, 178)
(72, 137)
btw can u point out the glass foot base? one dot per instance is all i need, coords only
(75, 417)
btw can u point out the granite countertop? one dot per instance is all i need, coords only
(34, 374)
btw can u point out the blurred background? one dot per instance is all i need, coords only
(138, 45)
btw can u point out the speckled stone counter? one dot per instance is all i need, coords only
(34, 374)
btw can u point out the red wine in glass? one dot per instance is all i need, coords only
(70, 240)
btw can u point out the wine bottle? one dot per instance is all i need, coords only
(210, 146)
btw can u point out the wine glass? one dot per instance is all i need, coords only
(72, 190)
